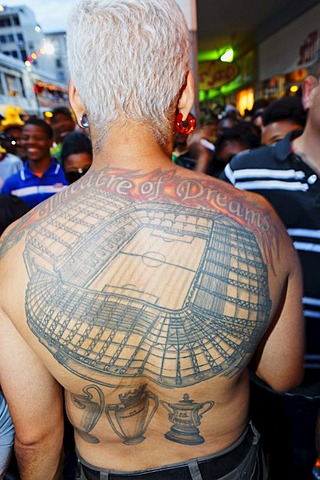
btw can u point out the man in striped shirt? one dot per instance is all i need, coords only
(287, 173)
(41, 176)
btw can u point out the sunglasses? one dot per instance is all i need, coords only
(74, 175)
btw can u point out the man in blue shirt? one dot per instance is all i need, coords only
(41, 176)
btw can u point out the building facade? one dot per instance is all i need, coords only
(21, 37)
(33, 68)
(59, 42)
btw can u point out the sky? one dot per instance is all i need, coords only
(50, 14)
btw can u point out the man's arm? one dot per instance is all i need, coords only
(35, 402)
(279, 358)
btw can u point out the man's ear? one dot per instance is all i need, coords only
(75, 102)
(308, 90)
(187, 97)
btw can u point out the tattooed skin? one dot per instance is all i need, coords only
(92, 405)
(158, 277)
(185, 417)
(131, 416)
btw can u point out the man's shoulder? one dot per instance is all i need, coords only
(252, 154)
(10, 160)
(271, 156)
(258, 161)
(13, 180)
(261, 157)
(55, 173)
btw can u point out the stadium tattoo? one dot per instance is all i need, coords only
(159, 277)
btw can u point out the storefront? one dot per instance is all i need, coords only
(224, 83)
(283, 58)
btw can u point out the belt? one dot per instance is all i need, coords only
(213, 467)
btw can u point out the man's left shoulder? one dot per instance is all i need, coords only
(255, 158)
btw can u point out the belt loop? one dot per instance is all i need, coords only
(104, 475)
(194, 470)
(257, 435)
(79, 471)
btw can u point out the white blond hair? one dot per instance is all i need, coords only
(128, 59)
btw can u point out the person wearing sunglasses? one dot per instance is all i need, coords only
(76, 155)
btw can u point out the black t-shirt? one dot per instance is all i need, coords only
(11, 208)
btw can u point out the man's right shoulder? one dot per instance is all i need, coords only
(255, 159)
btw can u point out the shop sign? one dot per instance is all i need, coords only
(214, 74)
(307, 51)
(292, 48)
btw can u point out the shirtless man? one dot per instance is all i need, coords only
(144, 291)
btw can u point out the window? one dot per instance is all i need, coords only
(10, 37)
(14, 85)
(1, 86)
(3, 39)
(5, 22)
(61, 76)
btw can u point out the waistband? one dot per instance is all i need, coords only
(214, 466)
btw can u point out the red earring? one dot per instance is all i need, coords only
(190, 122)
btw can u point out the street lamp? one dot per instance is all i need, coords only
(46, 49)
(227, 56)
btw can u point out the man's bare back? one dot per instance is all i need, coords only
(146, 297)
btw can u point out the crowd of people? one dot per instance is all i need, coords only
(220, 136)
(272, 151)
(38, 158)
(33, 165)
(159, 280)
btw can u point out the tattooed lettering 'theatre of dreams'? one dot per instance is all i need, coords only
(160, 186)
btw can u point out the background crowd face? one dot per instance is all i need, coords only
(276, 131)
(62, 125)
(76, 165)
(36, 143)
